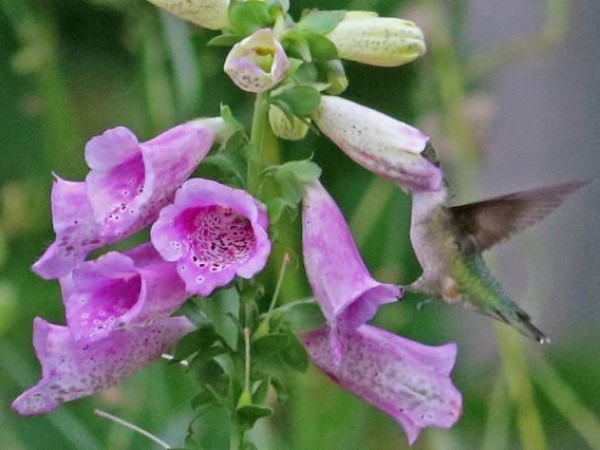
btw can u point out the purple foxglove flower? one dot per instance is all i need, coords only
(128, 185)
(76, 231)
(257, 63)
(406, 380)
(340, 282)
(72, 370)
(210, 14)
(130, 182)
(379, 143)
(120, 290)
(214, 233)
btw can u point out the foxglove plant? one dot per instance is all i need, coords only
(211, 239)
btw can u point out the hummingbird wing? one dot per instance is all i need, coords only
(489, 222)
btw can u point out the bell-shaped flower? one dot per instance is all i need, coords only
(128, 185)
(213, 233)
(257, 63)
(210, 14)
(340, 282)
(406, 380)
(120, 290)
(130, 182)
(378, 41)
(379, 143)
(71, 369)
(285, 128)
(75, 228)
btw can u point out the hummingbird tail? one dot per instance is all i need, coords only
(520, 320)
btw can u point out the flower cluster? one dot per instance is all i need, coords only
(118, 306)
(204, 234)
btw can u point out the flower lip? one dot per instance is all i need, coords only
(213, 233)
(406, 380)
(119, 290)
(258, 62)
(130, 181)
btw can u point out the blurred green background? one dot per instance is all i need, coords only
(506, 113)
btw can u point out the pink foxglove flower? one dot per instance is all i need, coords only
(340, 282)
(406, 380)
(128, 185)
(257, 63)
(379, 143)
(213, 233)
(72, 369)
(130, 182)
(120, 290)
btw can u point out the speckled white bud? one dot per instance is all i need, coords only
(283, 128)
(257, 63)
(379, 41)
(379, 143)
(210, 14)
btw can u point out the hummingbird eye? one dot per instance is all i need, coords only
(430, 154)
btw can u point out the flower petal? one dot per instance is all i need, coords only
(210, 14)
(406, 380)
(71, 370)
(337, 274)
(379, 143)
(129, 182)
(213, 232)
(76, 232)
(118, 290)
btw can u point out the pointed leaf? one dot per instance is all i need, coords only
(320, 22)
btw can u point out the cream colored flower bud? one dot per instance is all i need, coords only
(257, 63)
(210, 14)
(379, 41)
(283, 128)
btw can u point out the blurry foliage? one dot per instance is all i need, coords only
(69, 70)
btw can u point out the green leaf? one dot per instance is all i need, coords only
(249, 414)
(224, 40)
(260, 394)
(291, 178)
(231, 122)
(196, 341)
(321, 22)
(211, 372)
(229, 164)
(295, 355)
(275, 208)
(267, 345)
(247, 17)
(280, 390)
(223, 304)
(296, 45)
(306, 74)
(321, 48)
(303, 101)
(203, 399)
(302, 315)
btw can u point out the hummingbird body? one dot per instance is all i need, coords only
(448, 242)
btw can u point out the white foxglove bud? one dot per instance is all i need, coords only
(257, 63)
(378, 41)
(210, 14)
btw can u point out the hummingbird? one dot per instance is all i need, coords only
(448, 242)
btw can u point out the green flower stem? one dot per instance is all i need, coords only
(514, 365)
(257, 138)
(498, 419)
(135, 428)
(565, 400)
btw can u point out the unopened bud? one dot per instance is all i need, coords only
(283, 128)
(378, 41)
(257, 63)
(210, 14)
